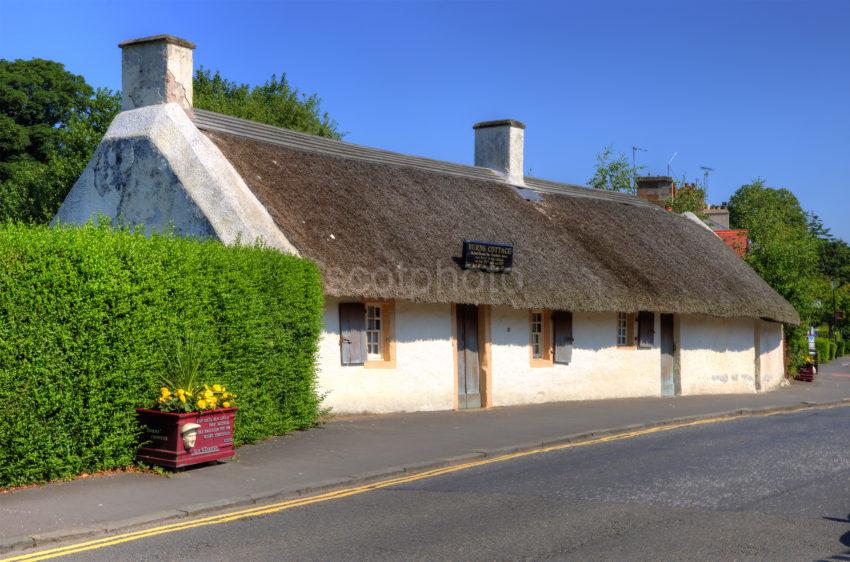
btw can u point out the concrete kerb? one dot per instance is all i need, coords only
(23, 542)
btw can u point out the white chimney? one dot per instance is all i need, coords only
(156, 70)
(499, 146)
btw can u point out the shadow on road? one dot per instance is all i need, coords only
(845, 540)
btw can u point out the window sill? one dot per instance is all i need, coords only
(541, 363)
(626, 347)
(379, 364)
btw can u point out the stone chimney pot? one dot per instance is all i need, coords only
(156, 70)
(499, 146)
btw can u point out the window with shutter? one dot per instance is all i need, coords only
(646, 329)
(352, 333)
(562, 321)
(626, 329)
(540, 340)
(380, 336)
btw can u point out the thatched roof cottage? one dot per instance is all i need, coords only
(447, 285)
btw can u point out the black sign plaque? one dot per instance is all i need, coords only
(487, 256)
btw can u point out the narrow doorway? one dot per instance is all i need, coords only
(669, 379)
(468, 364)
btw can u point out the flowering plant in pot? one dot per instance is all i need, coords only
(191, 422)
(808, 370)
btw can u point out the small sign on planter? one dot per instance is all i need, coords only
(175, 440)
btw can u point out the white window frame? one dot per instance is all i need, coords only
(623, 328)
(374, 332)
(537, 335)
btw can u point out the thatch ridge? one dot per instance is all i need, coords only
(385, 231)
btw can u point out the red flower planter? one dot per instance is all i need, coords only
(806, 373)
(164, 439)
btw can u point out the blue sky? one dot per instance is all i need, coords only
(749, 88)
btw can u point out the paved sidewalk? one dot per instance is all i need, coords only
(354, 448)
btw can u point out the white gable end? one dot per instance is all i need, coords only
(154, 167)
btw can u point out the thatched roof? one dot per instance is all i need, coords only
(388, 226)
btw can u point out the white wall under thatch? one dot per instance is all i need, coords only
(716, 355)
(599, 369)
(423, 377)
(772, 354)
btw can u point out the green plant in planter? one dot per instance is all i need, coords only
(183, 389)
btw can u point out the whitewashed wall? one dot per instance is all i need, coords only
(772, 354)
(599, 369)
(424, 375)
(717, 355)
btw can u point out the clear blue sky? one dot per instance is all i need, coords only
(749, 88)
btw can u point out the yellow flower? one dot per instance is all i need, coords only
(165, 391)
(202, 404)
(217, 388)
(181, 392)
(226, 404)
(183, 398)
(208, 394)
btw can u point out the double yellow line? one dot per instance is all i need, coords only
(344, 493)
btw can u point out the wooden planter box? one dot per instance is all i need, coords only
(164, 444)
(806, 373)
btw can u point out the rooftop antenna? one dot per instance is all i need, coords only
(705, 171)
(670, 163)
(635, 150)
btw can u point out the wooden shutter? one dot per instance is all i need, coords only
(646, 329)
(563, 327)
(352, 333)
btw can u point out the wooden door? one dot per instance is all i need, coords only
(563, 321)
(468, 366)
(668, 349)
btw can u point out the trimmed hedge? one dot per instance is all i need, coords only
(822, 347)
(840, 350)
(86, 312)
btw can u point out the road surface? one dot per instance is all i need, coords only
(768, 488)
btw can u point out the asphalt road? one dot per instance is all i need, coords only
(772, 488)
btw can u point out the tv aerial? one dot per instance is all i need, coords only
(705, 171)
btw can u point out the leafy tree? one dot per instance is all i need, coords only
(834, 267)
(613, 171)
(784, 252)
(275, 103)
(834, 253)
(689, 197)
(50, 123)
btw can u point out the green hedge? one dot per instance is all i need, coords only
(822, 347)
(840, 350)
(85, 316)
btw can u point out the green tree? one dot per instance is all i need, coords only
(275, 103)
(689, 197)
(784, 252)
(50, 123)
(613, 171)
(834, 253)
(834, 267)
